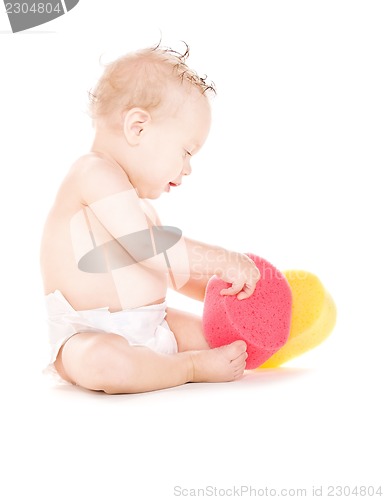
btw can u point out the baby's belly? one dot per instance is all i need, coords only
(137, 285)
(125, 288)
(91, 269)
(117, 291)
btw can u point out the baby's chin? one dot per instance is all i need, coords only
(152, 193)
(146, 195)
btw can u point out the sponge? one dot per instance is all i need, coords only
(313, 317)
(262, 320)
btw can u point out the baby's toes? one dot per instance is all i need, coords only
(238, 372)
(235, 350)
(240, 360)
(238, 364)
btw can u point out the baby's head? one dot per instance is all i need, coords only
(152, 113)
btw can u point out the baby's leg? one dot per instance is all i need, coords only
(106, 362)
(188, 330)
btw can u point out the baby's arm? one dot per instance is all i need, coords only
(205, 260)
(120, 232)
(234, 268)
(107, 192)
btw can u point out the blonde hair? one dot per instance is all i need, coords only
(140, 79)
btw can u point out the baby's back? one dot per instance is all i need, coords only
(59, 250)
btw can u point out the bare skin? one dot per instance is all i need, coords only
(117, 164)
(88, 356)
(106, 362)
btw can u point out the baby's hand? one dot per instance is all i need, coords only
(242, 273)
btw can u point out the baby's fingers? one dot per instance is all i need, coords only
(234, 289)
(249, 288)
(250, 285)
(246, 292)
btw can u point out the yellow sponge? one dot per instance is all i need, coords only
(313, 317)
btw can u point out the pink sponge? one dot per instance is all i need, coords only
(262, 321)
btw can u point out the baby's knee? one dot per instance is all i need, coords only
(105, 362)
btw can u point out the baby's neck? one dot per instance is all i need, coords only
(108, 145)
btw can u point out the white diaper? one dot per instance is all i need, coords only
(144, 326)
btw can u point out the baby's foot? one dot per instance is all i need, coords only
(222, 364)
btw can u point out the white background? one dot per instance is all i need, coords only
(289, 172)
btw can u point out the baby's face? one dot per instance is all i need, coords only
(163, 156)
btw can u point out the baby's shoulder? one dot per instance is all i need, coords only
(97, 177)
(91, 165)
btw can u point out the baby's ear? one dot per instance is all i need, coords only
(135, 121)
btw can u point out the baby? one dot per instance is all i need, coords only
(107, 261)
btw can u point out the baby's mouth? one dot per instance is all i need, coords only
(173, 184)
